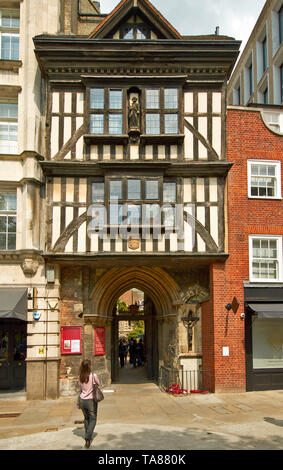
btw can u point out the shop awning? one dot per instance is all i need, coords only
(13, 304)
(268, 310)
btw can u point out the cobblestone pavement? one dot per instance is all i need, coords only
(137, 416)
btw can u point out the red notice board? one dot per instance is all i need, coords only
(99, 340)
(71, 340)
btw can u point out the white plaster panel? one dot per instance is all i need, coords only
(216, 134)
(80, 149)
(213, 196)
(216, 102)
(119, 152)
(68, 102)
(161, 152)
(214, 223)
(200, 189)
(93, 152)
(106, 152)
(202, 102)
(69, 189)
(118, 244)
(82, 190)
(56, 224)
(67, 129)
(201, 219)
(149, 244)
(189, 142)
(202, 128)
(134, 152)
(173, 242)
(173, 151)
(187, 190)
(188, 231)
(57, 189)
(161, 243)
(82, 234)
(54, 135)
(107, 244)
(148, 152)
(94, 242)
(80, 103)
(189, 102)
(55, 102)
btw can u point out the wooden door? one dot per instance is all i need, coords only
(13, 335)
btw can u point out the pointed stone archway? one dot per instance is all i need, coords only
(161, 323)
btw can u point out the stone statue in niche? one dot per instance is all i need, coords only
(134, 113)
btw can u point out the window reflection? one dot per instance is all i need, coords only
(4, 345)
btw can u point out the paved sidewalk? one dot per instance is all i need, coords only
(141, 416)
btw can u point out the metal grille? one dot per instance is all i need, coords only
(190, 380)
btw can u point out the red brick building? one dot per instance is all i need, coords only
(245, 347)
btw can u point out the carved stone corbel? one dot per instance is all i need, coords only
(30, 266)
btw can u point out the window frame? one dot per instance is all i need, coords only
(9, 213)
(162, 110)
(107, 112)
(278, 239)
(277, 165)
(11, 31)
(7, 121)
(143, 200)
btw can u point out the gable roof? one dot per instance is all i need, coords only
(123, 9)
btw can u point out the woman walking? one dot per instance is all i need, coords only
(87, 380)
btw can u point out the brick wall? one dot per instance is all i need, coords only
(247, 138)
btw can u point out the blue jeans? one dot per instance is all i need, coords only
(89, 409)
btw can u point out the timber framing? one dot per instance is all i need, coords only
(217, 168)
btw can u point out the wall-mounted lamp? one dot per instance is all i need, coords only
(234, 305)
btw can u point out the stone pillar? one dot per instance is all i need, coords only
(43, 345)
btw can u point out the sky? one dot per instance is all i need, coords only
(235, 18)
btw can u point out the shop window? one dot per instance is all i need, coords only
(267, 343)
(264, 179)
(265, 258)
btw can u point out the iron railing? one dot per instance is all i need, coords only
(190, 380)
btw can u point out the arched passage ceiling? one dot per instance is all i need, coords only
(154, 282)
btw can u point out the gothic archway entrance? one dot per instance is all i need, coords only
(135, 327)
(160, 315)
